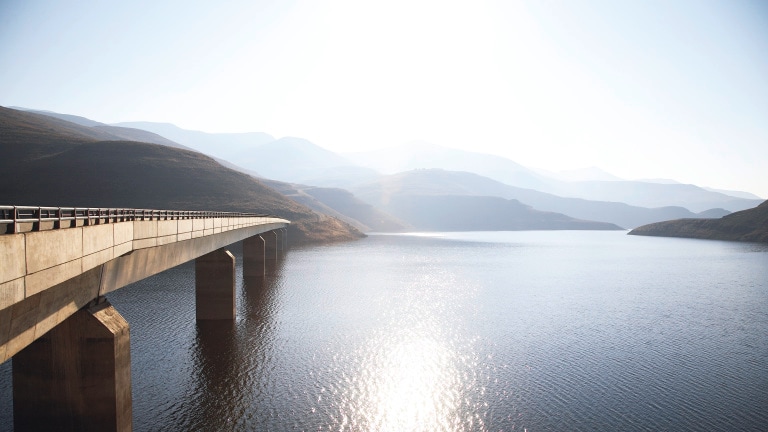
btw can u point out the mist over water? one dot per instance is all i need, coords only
(463, 331)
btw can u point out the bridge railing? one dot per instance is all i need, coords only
(15, 219)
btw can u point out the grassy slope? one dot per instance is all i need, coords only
(25, 136)
(746, 225)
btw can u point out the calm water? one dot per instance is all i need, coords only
(537, 331)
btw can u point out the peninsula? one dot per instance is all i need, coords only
(746, 225)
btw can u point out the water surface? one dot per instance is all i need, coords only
(542, 331)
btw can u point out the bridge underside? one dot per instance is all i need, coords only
(71, 349)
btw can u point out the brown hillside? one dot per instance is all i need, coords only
(36, 135)
(76, 170)
(746, 225)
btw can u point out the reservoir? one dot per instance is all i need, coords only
(478, 331)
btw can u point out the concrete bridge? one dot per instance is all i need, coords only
(70, 347)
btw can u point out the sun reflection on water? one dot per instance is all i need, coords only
(414, 372)
(411, 384)
(409, 392)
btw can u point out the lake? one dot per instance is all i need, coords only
(536, 331)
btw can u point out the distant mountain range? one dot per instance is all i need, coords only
(582, 174)
(397, 190)
(420, 155)
(228, 146)
(307, 163)
(439, 182)
(287, 159)
(293, 160)
(481, 213)
(645, 194)
(610, 199)
(604, 187)
(341, 204)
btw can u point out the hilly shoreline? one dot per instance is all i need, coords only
(61, 159)
(747, 225)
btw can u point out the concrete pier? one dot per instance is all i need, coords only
(254, 262)
(285, 238)
(271, 251)
(215, 286)
(77, 376)
(279, 243)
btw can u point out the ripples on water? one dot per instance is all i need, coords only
(577, 331)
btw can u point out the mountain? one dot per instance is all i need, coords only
(301, 161)
(659, 181)
(119, 133)
(342, 177)
(441, 182)
(420, 155)
(582, 174)
(138, 135)
(746, 225)
(341, 204)
(737, 194)
(481, 213)
(589, 184)
(646, 194)
(82, 121)
(308, 163)
(712, 214)
(291, 159)
(733, 193)
(438, 200)
(48, 161)
(112, 133)
(228, 146)
(627, 203)
(37, 135)
(375, 219)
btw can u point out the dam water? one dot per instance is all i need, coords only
(536, 331)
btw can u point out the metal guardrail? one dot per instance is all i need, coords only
(65, 217)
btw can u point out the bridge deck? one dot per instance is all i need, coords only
(56, 260)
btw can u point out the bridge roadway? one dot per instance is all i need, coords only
(70, 347)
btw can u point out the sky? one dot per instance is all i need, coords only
(642, 89)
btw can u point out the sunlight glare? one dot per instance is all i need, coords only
(413, 387)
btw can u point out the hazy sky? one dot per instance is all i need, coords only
(643, 89)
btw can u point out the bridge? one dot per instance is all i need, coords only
(70, 347)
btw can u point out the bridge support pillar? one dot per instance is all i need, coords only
(254, 265)
(282, 239)
(271, 249)
(77, 376)
(279, 242)
(215, 286)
